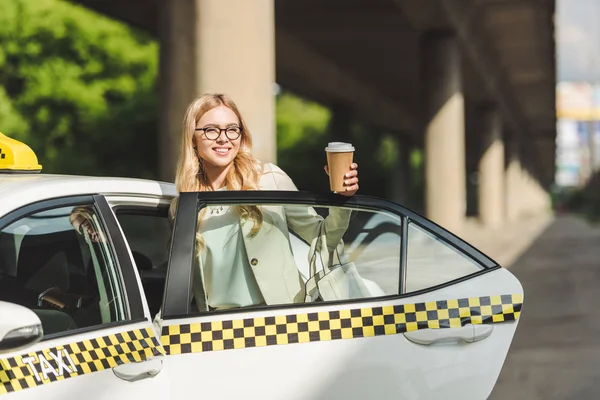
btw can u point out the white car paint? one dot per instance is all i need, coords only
(101, 385)
(370, 367)
(388, 366)
(17, 317)
(18, 190)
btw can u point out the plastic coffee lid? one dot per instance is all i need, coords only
(339, 147)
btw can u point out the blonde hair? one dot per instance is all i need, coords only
(245, 172)
(85, 212)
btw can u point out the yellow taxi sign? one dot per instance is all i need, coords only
(16, 156)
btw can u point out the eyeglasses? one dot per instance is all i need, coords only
(213, 132)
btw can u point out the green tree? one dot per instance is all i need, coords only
(301, 140)
(79, 88)
(303, 134)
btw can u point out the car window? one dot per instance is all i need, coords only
(431, 261)
(278, 254)
(59, 264)
(148, 233)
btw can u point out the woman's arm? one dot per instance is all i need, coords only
(305, 221)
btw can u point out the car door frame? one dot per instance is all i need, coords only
(176, 303)
(430, 342)
(142, 332)
(124, 264)
(134, 205)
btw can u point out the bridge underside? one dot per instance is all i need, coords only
(470, 80)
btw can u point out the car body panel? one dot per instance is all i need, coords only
(349, 349)
(18, 190)
(344, 349)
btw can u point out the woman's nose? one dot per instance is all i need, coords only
(222, 138)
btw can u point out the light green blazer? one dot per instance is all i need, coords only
(269, 251)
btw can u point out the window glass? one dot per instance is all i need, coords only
(148, 235)
(59, 264)
(276, 254)
(431, 261)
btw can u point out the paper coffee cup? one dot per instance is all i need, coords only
(339, 161)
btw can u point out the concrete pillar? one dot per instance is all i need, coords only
(445, 185)
(400, 179)
(176, 79)
(549, 162)
(543, 150)
(472, 156)
(513, 181)
(526, 185)
(225, 46)
(525, 191)
(491, 170)
(236, 55)
(536, 198)
(593, 159)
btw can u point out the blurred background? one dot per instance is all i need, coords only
(451, 104)
(481, 114)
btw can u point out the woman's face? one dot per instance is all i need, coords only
(218, 151)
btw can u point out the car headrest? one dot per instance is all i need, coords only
(54, 252)
(142, 262)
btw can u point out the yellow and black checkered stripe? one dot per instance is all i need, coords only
(80, 358)
(333, 325)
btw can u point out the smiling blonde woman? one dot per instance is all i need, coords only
(216, 154)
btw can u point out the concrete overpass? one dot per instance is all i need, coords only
(472, 82)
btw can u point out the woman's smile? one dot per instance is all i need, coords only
(222, 151)
(217, 152)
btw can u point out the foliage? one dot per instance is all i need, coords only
(78, 88)
(301, 140)
(10, 119)
(303, 133)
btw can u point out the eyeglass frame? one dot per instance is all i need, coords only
(220, 132)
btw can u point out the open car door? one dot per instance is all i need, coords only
(436, 319)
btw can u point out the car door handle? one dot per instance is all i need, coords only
(136, 371)
(469, 333)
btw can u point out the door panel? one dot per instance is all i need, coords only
(353, 348)
(47, 368)
(69, 266)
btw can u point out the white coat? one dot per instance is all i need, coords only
(269, 251)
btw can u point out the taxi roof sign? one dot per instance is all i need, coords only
(17, 157)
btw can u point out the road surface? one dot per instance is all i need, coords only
(556, 350)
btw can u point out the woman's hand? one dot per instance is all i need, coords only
(350, 182)
(81, 224)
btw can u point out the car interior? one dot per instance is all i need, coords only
(148, 232)
(51, 273)
(49, 267)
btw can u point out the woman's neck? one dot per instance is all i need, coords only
(216, 176)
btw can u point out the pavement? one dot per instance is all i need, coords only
(506, 244)
(555, 353)
(556, 350)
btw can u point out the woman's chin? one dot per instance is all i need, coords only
(219, 162)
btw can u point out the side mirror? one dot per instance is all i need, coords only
(19, 327)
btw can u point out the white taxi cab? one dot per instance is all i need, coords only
(96, 300)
